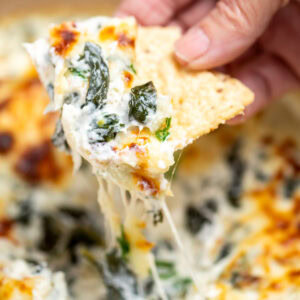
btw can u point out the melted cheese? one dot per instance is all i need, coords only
(263, 261)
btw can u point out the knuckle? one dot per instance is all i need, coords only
(239, 16)
(284, 2)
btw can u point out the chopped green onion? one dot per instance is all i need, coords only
(162, 134)
(132, 68)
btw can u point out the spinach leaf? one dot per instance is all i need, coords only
(51, 233)
(108, 120)
(105, 129)
(224, 252)
(182, 285)
(238, 168)
(158, 217)
(25, 213)
(74, 213)
(195, 219)
(290, 186)
(162, 134)
(120, 282)
(99, 75)
(82, 235)
(142, 102)
(211, 205)
(167, 271)
(124, 244)
(71, 98)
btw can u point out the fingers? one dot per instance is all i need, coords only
(151, 12)
(269, 78)
(231, 28)
(193, 13)
(279, 71)
(283, 36)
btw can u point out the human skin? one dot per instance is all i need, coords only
(257, 41)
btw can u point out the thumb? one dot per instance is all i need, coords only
(229, 30)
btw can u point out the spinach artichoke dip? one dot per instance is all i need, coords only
(113, 115)
(236, 191)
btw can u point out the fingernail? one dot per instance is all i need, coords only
(192, 45)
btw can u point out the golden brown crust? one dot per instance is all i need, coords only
(63, 37)
(25, 133)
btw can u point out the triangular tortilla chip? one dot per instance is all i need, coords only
(202, 100)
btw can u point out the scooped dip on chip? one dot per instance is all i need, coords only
(127, 107)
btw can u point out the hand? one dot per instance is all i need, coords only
(257, 41)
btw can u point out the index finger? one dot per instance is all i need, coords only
(151, 12)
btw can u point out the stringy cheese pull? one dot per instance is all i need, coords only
(140, 247)
(132, 227)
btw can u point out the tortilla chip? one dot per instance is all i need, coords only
(201, 100)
